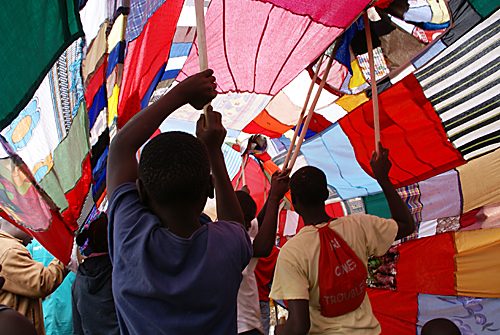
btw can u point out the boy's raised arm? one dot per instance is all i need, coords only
(264, 241)
(196, 90)
(400, 212)
(211, 132)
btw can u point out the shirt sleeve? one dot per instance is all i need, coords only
(290, 280)
(29, 278)
(379, 232)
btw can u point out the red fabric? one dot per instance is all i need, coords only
(145, 56)
(342, 275)
(383, 3)
(396, 311)
(319, 123)
(95, 83)
(58, 239)
(254, 128)
(256, 182)
(469, 218)
(264, 272)
(330, 13)
(257, 47)
(426, 265)
(76, 196)
(334, 210)
(409, 128)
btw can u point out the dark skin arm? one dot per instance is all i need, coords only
(197, 90)
(264, 241)
(298, 322)
(213, 134)
(399, 211)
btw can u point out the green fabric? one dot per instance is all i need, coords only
(484, 7)
(68, 158)
(57, 306)
(377, 205)
(33, 34)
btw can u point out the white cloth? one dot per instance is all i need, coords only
(248, 296)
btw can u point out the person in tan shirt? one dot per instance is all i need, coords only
(26, 281)
(296, 276)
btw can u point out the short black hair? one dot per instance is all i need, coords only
(309, 185)
(175, 167)
(247, 204)
(440, 326)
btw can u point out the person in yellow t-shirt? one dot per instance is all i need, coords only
(296, 274)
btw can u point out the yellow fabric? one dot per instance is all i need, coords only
(296, 273)
(350, 102)
(357, 76)
(439, 10)
(477, 263)
(97, 49)
(113, 105)
(479, 181)
(117, 33)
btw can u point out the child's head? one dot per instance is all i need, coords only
(440, 326)
(308, 187)
(248, 207)
(175, 169)
(96, 234)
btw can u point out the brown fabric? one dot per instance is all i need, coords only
(479, 180)
(26, 280)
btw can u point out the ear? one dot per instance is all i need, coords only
(211, 189)
(143, 193)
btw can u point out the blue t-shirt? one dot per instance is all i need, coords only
(166, 284)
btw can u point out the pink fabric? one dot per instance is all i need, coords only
(331, 13)
(258, 47)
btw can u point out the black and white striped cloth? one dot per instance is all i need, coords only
(462, 83)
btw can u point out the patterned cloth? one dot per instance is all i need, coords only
(462, 84)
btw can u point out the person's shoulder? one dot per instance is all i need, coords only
(122, 189)
(125, 198)
(227, 227)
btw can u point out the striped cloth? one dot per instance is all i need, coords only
(462, 84)
(411, 196)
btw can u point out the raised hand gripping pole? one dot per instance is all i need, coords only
(202, 41)
(373, 81)
(301, 117)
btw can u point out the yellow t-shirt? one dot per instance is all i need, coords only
(296, 273)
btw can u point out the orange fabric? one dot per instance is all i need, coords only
(266, 121)
(477, 263)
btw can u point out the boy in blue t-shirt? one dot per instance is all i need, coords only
(170, 274)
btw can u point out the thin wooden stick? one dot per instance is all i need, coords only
(301, 117)
(202, 41)
(373, 80)
(312, 108)
(242, 173)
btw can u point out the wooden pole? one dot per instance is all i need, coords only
(202, 40)
(373, 80)
(312, 108)
(301, 117)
